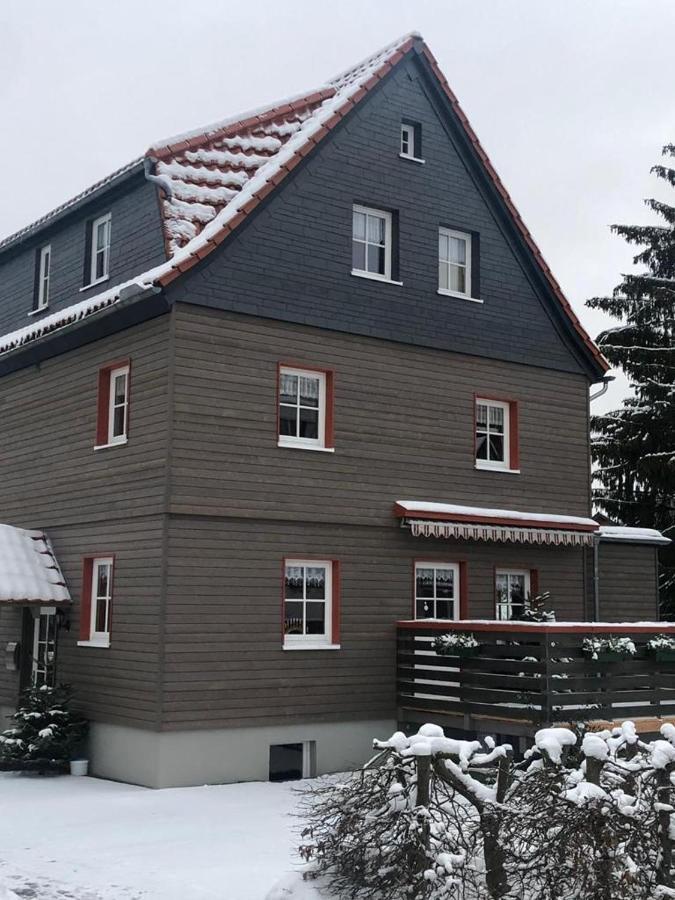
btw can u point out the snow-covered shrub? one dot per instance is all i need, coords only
(46, 734)
(596, 647)
(462, 641)
(535, 608)
(661, 642)
(583, 816)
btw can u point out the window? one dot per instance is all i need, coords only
(305, 408)
(371, 243)
(454, 263)
(411, 141)
(44, 267)
(497, 434)
(310, 606)
(437, 590)
(290, 762)
(96, 601)
(100, 249)
(512, 588)
(113, 404)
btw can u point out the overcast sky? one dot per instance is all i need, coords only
(572, 99)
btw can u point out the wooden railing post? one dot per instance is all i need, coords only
(547, 705)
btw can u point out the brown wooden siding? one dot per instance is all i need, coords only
(11, 618)
(403, 426)
(50, 472)
(628, 582)
(224, 664)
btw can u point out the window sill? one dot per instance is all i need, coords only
(310, 646)
(292, 446)
(41, 309)
(414, 159)
(372, 276)
(92, 284)
(112, 444)
(98, 643)
(459, 296)
(503, 469)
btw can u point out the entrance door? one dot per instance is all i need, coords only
(44, 647)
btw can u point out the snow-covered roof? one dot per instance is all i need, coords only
(211, 179)
(632, 535)
(454, 512)
(29, 571)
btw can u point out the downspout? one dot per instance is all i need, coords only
(596, 540)
(149, 164)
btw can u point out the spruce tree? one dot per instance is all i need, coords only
(634, 446)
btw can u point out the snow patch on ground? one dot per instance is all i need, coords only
(87, 839)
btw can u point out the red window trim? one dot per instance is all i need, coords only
(334, 636)
(85, 603)
(329, 424)
(514, 438)
(463, 582)
(534, 580)
(103, 399)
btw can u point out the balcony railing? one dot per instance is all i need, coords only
(525, 675)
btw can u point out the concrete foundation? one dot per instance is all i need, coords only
(221, 756)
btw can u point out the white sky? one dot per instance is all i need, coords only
(572, 99)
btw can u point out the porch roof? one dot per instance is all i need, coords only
(449, 520)
(29, 571)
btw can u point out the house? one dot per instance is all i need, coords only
(268, 390)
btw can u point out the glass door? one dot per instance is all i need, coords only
(44, 647)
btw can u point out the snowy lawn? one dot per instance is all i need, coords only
(85, 839)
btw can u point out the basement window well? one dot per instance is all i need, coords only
(291, 762)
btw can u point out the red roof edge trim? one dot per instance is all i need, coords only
(492, 172)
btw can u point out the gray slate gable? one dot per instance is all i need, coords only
(292, 259)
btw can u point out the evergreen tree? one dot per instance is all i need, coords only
(634, 446)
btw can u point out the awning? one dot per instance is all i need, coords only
(29, 571)
(475, 523)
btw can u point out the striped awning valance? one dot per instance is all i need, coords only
(505, 533)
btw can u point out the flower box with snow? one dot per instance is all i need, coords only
(662, 648)
(610, 649)
(456, 644)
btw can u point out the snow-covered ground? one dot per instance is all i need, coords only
(86, 839)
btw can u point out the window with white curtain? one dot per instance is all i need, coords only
(492, 434)
(454, 263)
(436, 590)
(512, 588)
(302, 407)
(307, 601)
(371, 243)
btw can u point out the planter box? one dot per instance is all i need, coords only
(663, 654)
(458, 651)
(608, 656)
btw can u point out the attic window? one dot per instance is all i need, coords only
(99, 261)
(411, 141)
(43, 274)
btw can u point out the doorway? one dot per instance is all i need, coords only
(43, 659)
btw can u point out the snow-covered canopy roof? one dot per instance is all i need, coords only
(632, 535)
(212, 178)
(29, 571)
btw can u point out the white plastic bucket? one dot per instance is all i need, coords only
(79, 766)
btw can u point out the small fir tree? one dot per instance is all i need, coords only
(47, 733)
(634, 446)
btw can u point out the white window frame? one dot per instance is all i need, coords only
(407, 137)
(102, 221)
(431, 564)
(466, 237)
(44, 275)
(35, 663)
(494, 464)
(312, 641)
(100, 638)
(386, 216)
(112, 406)
(289, 440)
(509, 573)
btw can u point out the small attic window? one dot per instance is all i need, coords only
(98, 268)
(411, 141)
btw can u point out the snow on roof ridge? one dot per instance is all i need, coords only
(633, 533)
(372, 57)
(29, 570)
(420, 506)
(47, 217)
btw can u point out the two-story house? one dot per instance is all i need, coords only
(264, 392)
